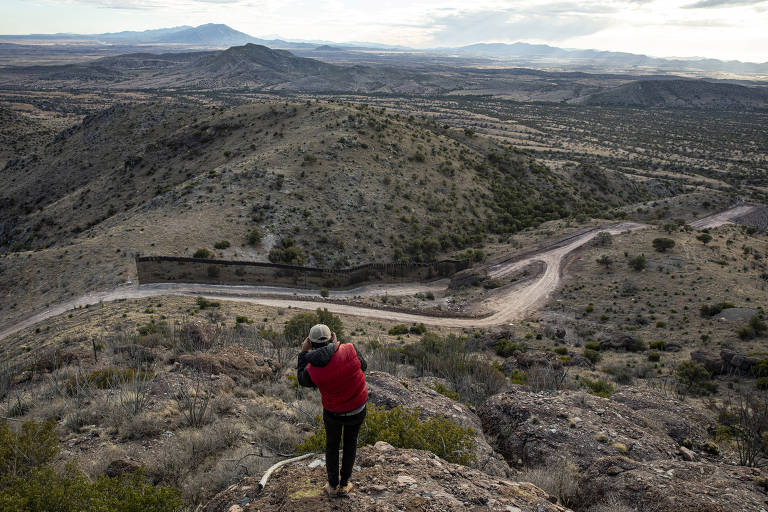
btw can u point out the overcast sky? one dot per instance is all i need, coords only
(724, 29)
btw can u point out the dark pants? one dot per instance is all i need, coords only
(335, 426)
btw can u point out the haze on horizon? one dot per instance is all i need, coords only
(721, 29)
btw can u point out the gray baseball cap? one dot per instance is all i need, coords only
(320, 333)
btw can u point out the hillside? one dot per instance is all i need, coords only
(681, 93)
(210, 34)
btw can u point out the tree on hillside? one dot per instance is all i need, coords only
(637, 262)
(704, 238)
(662, 244)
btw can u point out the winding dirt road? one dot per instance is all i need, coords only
(508, 306)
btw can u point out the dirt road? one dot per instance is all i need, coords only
(718, 219)
(508, 306)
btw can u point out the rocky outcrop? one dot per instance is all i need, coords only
(388, 479)
(389, 392)
(727, 362)
(530, 429)
(236, 362)
(672, 486)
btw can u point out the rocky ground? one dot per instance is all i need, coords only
(387, 479)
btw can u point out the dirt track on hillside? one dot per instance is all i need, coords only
(506, 307)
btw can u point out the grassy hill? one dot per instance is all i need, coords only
(341, 184)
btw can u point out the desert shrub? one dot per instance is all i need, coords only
(637, 263)
(605, 260)
(558, 478)
(204, 303)
(762, 383)
(562, 351)
(715, 309)
(505, 348)
(161, 328)
(658, 345)
(444, 390)
(202, 253)
(287, 253)
(704, 238)
(450, 358)
(398, 330)
(546, 378)
(254, 236)
(517, 376)
(598, 387)
(592, 345)
(418, 329)
(28, 482)
(297, 328)
(242, 319)
(760, 368)
(654, 357)
(324, 293)
(110, 377)
(223, 244)
(754, 329)
(694, 378)
(635, 345)
(35, 445)
(593, 355)
(662, 244)
(402, 428)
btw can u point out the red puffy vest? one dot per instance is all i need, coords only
(341, 381)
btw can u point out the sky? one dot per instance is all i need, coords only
(722, 29)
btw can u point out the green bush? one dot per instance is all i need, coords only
(403, 429)
(762, 383)
(29, 483)
(593, 355)
(760, 368)
(704, 238)
(592, 345)
(517, 376)
(153, 327)
(221, 245)
(658, 345)
(106, 378)
(654, 357)
(398, 330)
(505, 348)
(694, 378)
(242, 319)
(561, 351)
(254, 236)
(662, 244)
(297, 328)
(204, 303)
(710, 311)
(637, 263)
(444, 390)
(635, 345)
(202, 253)
(418, 329)
(598, 387)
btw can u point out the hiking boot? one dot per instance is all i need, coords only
(331, 491)
(343, 490)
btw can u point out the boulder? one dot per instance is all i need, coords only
(529, 359)
(389, 392)
(711, 361)
(734, 362)
(622, 342)
(389, 479)
(530, 429)
(122, 467)
(672, 486)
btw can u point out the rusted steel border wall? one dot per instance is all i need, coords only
(169, 269)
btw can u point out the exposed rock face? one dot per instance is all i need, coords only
(236, 362)
(622, 342)
(672, 486)
(530, 429)
(387, 391)
(727, 362)
(389, 479)
(527, 360)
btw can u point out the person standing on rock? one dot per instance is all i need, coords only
(337, 370)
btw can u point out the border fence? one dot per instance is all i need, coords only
(170, 269)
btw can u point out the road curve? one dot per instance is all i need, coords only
(508, 306)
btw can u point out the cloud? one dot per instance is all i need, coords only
(722, 3)
(150, 4)
(557, 24)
